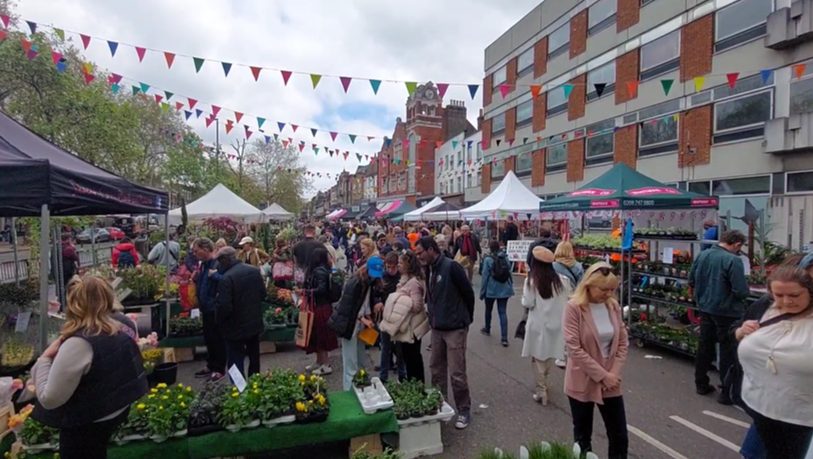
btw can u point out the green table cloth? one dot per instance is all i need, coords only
(279, 335)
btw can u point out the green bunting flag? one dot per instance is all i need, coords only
(454, 144)
(135, 89)
(314, 131)
(567, 88)
(198, 63)
(115, 88)
(145, 87)
(168, 94)
(315, 78)
(667, 86)
(60, 33)
(352, 138)
(164, 107)
(411, 86)
(260, 122)
(375, 84)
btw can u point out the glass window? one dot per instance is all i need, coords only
(743, 85)
(525, 112)
(498, 123)
(800, 181)
(743, 112)
(498, 169)
(524, 162)
(459, 184)
(600, 140)
(604, 74)
(660, 51)
(459, 157)
(525, 61)
(659, 109)
(749, 185)
(801, 96)
(556, 155)
(557, 100)
(700, 187)
(479, 150)
(659, 131)
(741, 16)
(558, 40)
(601, 11)
(499, 77)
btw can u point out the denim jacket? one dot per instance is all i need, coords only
(491, 288)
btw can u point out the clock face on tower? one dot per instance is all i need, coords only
(429, 93)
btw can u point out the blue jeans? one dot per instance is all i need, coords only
(502, 304)
(353, 352)
(388, 352)
(752, 447)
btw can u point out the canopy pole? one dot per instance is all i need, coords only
(93, 243)
(166, 265)
(16, 255)
(43, 273)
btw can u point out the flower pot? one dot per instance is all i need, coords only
(165, 373)
(34, 449)
(253, 424)
(158, 438)
(234, 428)
(180, 433)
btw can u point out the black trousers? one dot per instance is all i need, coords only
(714, 329)
(88, 441)
(782, 440)
(615, 421)
(215, 345)
(413, 360)
(237, 351)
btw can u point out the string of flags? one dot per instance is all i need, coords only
(140, 53)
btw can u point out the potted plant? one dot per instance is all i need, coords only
(185, 326)
(235, 414)
(145, 282)
(37, 437)
(167, 410)
(275, 318)
(203, 412)
(361, 379)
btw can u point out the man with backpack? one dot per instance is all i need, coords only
(497, 285)
(159, 254)
(125, 254)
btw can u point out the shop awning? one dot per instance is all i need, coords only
(336, 214)
(388, 208)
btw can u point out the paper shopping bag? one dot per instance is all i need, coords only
(303, 331)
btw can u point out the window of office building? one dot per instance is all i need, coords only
(760, 184)
(499, 77)
(601, 15)
(659, 135)
(603, 75)
(556, 157)
(524, 163)
(800, 182)
(740, 22)
(525, 62)
(600, 142)
(498, 123)
(525, 113)
(498, 169)
(743, 117)
(557, 102)
(703, 187)
(661, 55)
(801, 92)
(558, 40)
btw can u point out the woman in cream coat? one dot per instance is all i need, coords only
(544, 296)
(405, 318)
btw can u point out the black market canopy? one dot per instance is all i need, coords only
(34, 171)
(623, 188)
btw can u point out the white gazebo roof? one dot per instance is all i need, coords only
(510, 197)
(277, 212)
(220, 202)
(416, 214)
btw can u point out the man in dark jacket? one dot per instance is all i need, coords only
(206, 291)
(718, 280)
(450, 302)
(303, 249)
(467, 244)
(239, 311)
(511, 231)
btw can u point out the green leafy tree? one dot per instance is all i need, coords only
(280, 173)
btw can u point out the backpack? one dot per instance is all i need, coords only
(336, 285)
(500, 271)
(126, 260)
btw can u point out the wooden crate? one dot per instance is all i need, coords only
(370, 443)
(184, 354)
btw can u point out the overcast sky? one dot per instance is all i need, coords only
(420, 40)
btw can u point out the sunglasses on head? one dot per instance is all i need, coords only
(605, 270)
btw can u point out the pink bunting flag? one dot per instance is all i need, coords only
(192, 102)
(256, 72)
(140, 51)
(209, 120)
(229, 127)
(85, 40)
(56, 56)
(346, 154)
(158, 98)
(284, 144)
(6, 20)
(170, 58)
(345, 82)
(89, 78)
(333, 135)
(301, 147)
(442, 87)
(215, 110)
(248, 132)
(238, 116)
(294, 127)
(504, 90)
(286, 75)
(178, 106)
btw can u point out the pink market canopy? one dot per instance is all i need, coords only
(336, 214)
(622, 188)
(388, 208)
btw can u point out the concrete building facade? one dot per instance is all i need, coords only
(711, 96)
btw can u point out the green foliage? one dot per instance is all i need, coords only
(144, 280)
(388, 453)
(35, 433)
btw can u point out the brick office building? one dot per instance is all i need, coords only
(711, 96)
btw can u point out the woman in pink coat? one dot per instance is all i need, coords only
(596, 342)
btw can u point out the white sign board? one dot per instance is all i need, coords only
(668, 255)
(518, 250)
(22, 322)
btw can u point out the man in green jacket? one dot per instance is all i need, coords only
(720, 289)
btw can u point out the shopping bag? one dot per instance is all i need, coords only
(463, 260)
(368, 336)
(305, 328)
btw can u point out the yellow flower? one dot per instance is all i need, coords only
(164, 397)
(180, 397)
(160, 407)
(141, 406)
(256, 391)
(301, 378)
(254, 386)
(180, 385)
(300, 406)
(235, 395)
(188, 389)
(151, 396)
(161, 386)
(183, 405)
(153, 391)
(313, 378)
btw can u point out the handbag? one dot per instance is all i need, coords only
(304, 329)
(732, 382)
(368, 336)
(520, 332)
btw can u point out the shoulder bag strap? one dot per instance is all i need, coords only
(780, 318)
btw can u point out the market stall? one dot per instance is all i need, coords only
(445, 212)
(219, 202)
(336, 214)
(276, 212)
(511, 197)
(416, 215)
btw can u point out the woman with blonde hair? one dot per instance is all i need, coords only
(87, 378)
(597, 345)
(368, 249)
(565, 263)
(219, 244)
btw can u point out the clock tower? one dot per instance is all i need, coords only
(425, 107)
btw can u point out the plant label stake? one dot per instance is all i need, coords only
(22, 322)
(237, 378)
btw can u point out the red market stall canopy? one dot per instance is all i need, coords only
(336, 214)
(396, 208)
(35, 172)
(622, 188)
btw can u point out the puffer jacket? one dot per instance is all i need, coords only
(404, 317)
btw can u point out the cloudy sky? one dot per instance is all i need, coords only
(420, 40)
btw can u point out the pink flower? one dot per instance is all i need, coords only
(278, 311)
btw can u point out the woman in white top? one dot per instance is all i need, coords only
(777, 366)
(544, 296)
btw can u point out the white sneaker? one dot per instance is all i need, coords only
(324, 370)
(560, 363)
(312, 367)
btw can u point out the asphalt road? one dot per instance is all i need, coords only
(666, 418)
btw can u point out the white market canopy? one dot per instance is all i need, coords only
(416, 214)
(277, 212)
(220, 202)
(511, 197)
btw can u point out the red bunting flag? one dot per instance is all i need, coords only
(85, 40)
(88, 78)
(215, 110)
(158, 98)
(209, 120)
(535, 88)
(284, 144)
(799, 70)
(256, 72)
(229, 127)
(140, 51)
(504, 90)
(345, 82)
(294, 127)
(6, 20)
(248, 132)
(732, 79)
(3, 35)
(442, 87)
(178, 106)
(170, 57)
(26, 44)
(346, 154)
(286, 75)
(192, 102)
(301, 147)
(238, 116)
(632, 88)
(333, 135)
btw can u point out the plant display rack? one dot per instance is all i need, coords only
(421, 436)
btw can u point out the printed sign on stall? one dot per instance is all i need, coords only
(518, 250)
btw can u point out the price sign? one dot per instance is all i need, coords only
(518, 250)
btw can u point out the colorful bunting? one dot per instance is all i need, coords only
(766, 75)
(505, 89)
(333, 135)
(140, 52)
(442, 88)
(238, 116)
(168, 94)
(375, 84)
(314, 131)
(187, 114)
(89, 78)
(255, 71)
(281, 126)
(667, 86)
(798, 70)
(192, 102)
(568, 89)
(698, 83)
(732, 79)
(170, 58)
(26, 44)
(6, 20)
(114, 46)
(164, 107)
(179, 106)
(198, 112)
(158, 98)
(535, 89)
(135, 89)
(345, 82)
(599, 87)
(229, 126)
(286, 75)
(60, 33)
(198, 63)
(260, 122)
(632, 88)
(215, 110)
(473, 89)
(294, 127)
(226, 68)
(32, 26)
(145, 87)
(114, 88)
(410, 86)
(248, 132)
(352, 138)
(3, 34)
(315, 78)
(267, 139)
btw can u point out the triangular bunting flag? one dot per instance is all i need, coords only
(345, 82)
(314, 131)
(164, 107)
(286, 75)
(170, 58)
(192, 102)
(114, 78)
(454, 144)
(346, 154)
(732, 79)
(567, 88)
(114, 88)
(766, 75)
(285, 144)
(798, 70)
(187, 114)
(56, 56)
(3, 35)
(215, 110)
(198, 63)
(315, 78)
(473, 89)
(260, 122)
(442, 88)
(267, 139)
(375, 84)
(87, 67)
(226, 68)
(294, 127)
(88, 78)
(410, 86)
(333, 135)
(168, 94)
(499, 141)
(352, 138)
(302, 147)
(438, 144)
(145, 87)
(698, 83)
(255, 71)
(26, 44)
(140, 52)
(248, 132)
(85, 40)
(667, 86)
(358, 157)
(504, 90)
(198, 112)
(600, 88)
(632, 88)
(178, 106)
(135, 89)
(158, 98)
(32, 26)
(59, 33)
(114, 46)
(61, 66)
(535, 89)
(238, 116)
(281, 126)
(7, 20)
(229, 127)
